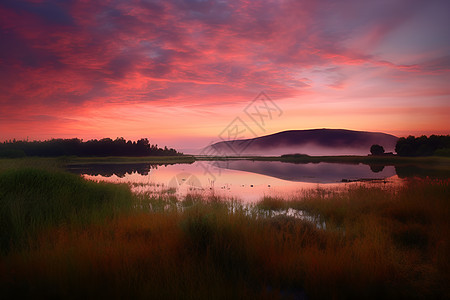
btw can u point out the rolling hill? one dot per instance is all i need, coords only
(311, 142)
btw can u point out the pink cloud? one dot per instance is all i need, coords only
(72, 58)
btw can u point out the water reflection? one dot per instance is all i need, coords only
(298, 172)
(376, 168)
(243, 179)
(310, 172)
(108, 170)
(422, 171)
(117, 169)
(249, 180)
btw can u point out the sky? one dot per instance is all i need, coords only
(187, 73)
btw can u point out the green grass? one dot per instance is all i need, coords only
(34, 199)
(41, 163)
(81, 239)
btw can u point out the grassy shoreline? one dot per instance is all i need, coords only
(70, 237)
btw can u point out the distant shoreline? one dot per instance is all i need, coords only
(392, 159)
(350, 159)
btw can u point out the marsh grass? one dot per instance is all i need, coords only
(33, 199)
(379, 242)
(27, 162)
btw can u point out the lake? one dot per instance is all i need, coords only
(243, 179)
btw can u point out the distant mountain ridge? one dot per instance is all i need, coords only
(310, 141)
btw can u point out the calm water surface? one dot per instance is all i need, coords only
(242, 179)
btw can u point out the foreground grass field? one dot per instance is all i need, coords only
(65, 237)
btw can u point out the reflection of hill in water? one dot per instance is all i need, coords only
(300, 172)
(108, 170)
(309, 172)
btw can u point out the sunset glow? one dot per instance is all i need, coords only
(178, 72)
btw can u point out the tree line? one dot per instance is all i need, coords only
(423, 146)
(77, 147)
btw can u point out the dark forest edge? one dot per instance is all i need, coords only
(91, 148)
(437, 145)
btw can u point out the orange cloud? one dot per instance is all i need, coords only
(178, 69)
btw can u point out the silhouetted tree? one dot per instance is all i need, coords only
(377, 149)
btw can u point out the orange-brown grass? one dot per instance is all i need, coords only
(378, 243)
